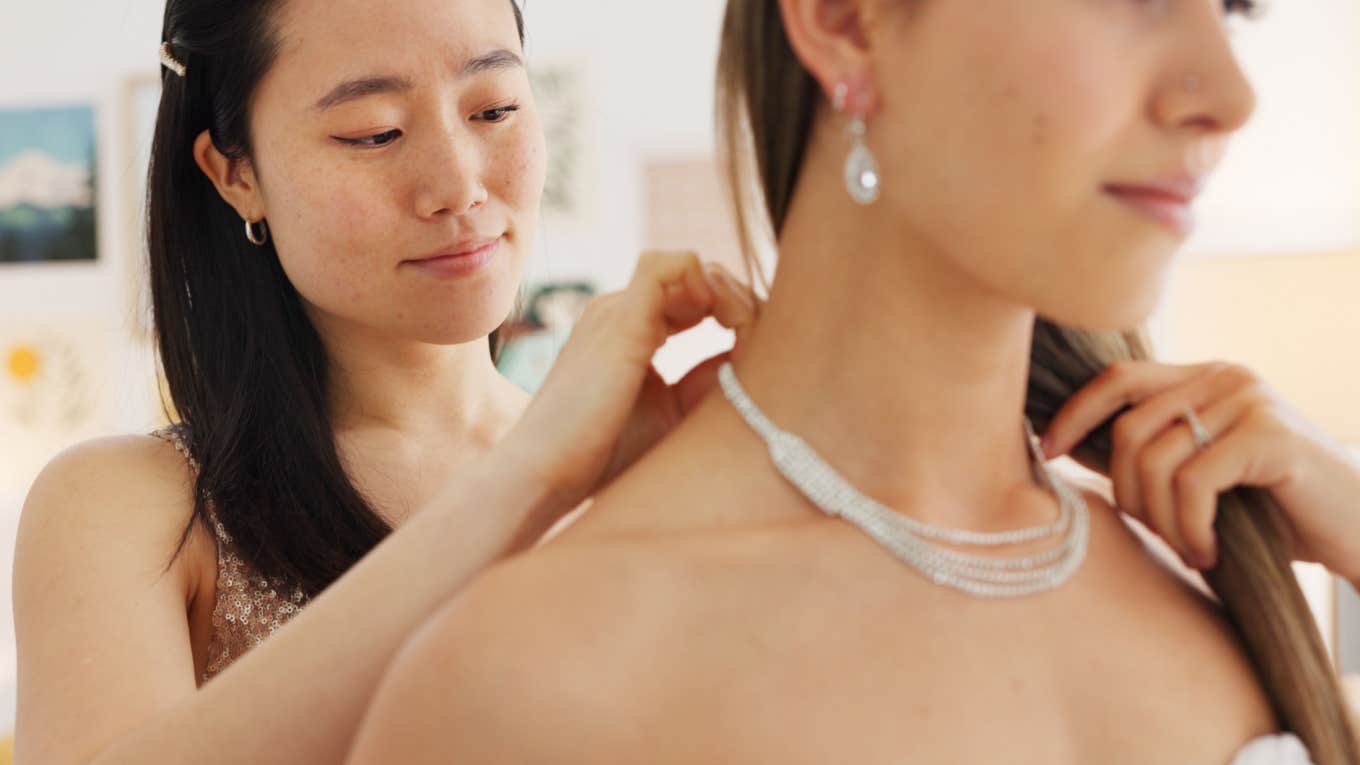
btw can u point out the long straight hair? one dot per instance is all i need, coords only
(246, 371)
(766, 104)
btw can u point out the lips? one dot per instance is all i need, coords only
(460, 259)
(1167, 202)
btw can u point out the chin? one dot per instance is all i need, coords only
(454, 320)
(1121, 307)
(464, 330)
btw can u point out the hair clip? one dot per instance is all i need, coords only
(169, 61)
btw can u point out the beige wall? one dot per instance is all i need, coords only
(1295, 319)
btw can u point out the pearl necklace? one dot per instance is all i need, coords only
(986, 576)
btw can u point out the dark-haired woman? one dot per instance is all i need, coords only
(340, 204)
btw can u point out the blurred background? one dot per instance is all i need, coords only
(1271, 279)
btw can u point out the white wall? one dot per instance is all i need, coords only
(1290, 184)
(1291, 181)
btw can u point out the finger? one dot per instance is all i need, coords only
(1157, 465)
(662, 266)
(682, 308)
(1231, 459)
(698, 382)
(658, 268)
(1122, 384)
(734, 307)
(1137, 428)
(670, 287)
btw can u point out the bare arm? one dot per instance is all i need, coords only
(106, 674)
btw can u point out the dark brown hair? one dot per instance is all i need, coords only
(766, 105)
(246, 371)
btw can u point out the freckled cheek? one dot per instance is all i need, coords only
(517, 172)
(337, 240)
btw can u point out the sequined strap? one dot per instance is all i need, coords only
(178, 436)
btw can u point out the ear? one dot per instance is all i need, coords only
(830, 38)
(234, 178)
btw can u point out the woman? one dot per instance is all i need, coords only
(339, 211)
(852, 554)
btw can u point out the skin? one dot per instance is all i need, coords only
(454, 456)
(706, 612)
(456, 157)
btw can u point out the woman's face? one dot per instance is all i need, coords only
(1048, 146)
(399, 162)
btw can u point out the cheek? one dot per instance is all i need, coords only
(328, 231)
(1054, 109)
(1004, 170)
(517, 167)
(1025, 110)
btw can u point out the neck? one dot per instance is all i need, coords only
(906, 375)
(422, 391)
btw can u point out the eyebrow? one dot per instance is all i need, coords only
(360, 87)
(350, 90)
(496, 60)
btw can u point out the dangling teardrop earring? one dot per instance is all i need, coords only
(861, 167)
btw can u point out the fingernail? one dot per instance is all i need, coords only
(720, 275)
(1046, 445)
(711, 280)
(706, 284)
(734, 290)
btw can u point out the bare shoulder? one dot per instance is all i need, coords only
(543, 658)
(1133, 544)
(117, 485)
(123, 502)
(1174, 620)
(97, 533)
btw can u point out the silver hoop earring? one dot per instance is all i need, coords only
(258, 240)
(861, 167)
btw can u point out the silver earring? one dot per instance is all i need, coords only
(861, 167)
(260, 239)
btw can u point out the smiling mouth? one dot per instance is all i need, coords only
(1169, 208)
(465, 262)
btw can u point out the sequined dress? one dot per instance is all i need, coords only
(249, 607)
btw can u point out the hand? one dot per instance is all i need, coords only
(603, 404)
(1162, 478)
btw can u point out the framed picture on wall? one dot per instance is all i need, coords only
(141, 101)
(563, 93)
(47, 185)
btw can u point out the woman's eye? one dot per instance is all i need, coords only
(1248, 8)
(374, 141)
(499, 114)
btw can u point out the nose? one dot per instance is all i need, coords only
(1203, 87)
(450, 176)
